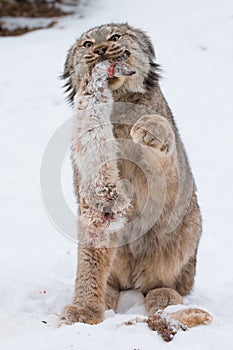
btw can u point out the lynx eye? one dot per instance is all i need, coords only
(87, 44)
(115, 37)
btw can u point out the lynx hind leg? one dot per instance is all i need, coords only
(154, 131)
(159, 299)
(111, 297)
(185, 281)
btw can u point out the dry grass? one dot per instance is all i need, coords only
(30, 9)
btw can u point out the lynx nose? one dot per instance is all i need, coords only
(100, 50)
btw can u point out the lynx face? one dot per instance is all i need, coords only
(112, 42)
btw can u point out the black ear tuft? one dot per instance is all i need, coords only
(70, 90)
(153, 76)
(68, 74)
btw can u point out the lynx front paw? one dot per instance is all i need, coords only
(73, 313)
(154, 131)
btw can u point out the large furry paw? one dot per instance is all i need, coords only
(154, 131)
(157, 299)
(168, 324)
(192, 317)
(73, 313)
(164, 325)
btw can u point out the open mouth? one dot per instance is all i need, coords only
(119, 67)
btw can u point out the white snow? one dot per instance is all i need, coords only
(193, 41)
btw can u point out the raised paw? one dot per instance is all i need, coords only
(154, 131)
(73, 313)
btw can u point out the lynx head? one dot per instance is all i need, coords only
(113, 42)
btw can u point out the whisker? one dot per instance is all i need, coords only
(114, 52)
(91, 60)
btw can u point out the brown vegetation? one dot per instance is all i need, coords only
(31, 9)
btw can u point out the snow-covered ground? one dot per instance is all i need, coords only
(193, 41)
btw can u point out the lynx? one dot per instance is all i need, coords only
(155, 250)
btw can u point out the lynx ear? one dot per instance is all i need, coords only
(69, 75)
